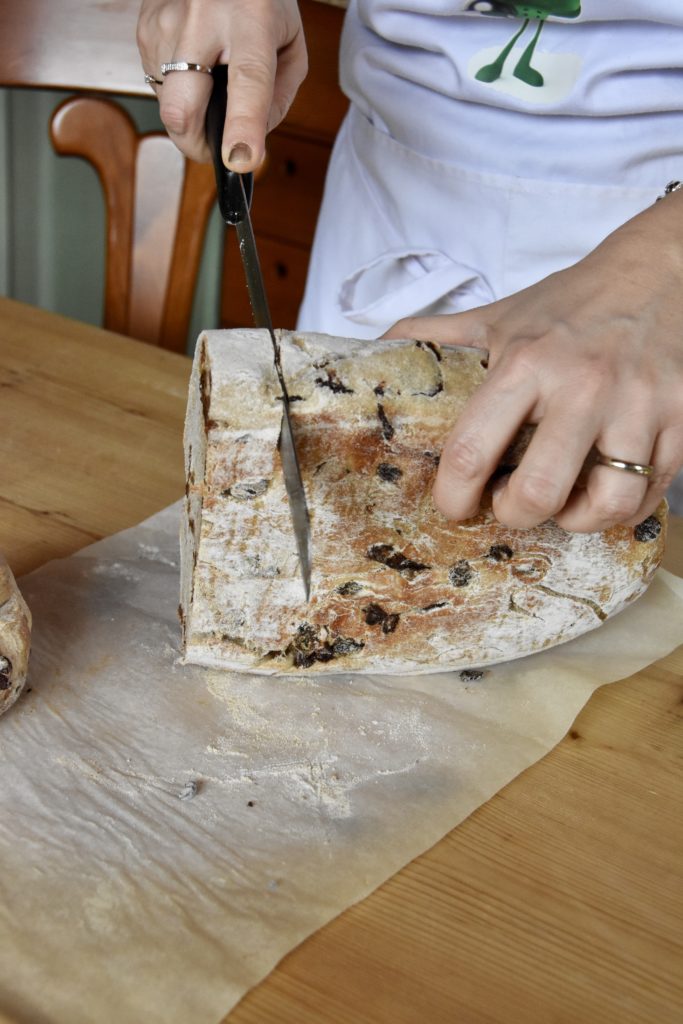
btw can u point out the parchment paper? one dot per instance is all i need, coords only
(124, 897)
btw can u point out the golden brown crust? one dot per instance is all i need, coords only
(396, 587)
(15, 638)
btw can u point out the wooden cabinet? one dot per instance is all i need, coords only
(288, 192)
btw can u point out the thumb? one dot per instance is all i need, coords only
(251, 80)
(471, 328)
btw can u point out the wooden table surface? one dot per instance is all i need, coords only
(557, 901)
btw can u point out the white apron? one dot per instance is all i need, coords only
(401, 234)
(447, 190)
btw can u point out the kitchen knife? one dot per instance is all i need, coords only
(234, 198)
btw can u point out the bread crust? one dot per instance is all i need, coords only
(15, 638)
(396, 587)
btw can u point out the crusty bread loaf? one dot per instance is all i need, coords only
(15, 638)
(395, 586)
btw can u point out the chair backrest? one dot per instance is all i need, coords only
(157, 207)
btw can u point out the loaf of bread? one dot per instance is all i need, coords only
(15, 638)
(396, 587)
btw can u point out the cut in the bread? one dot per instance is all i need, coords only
(396, 587)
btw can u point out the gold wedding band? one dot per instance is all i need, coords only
(151, 80)
(630, 467)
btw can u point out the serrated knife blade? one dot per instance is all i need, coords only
(234, 197)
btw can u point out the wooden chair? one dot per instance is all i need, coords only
(89, 49)
(157, 206)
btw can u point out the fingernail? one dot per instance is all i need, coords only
(240, 154)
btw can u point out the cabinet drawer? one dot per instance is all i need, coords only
(288, 191)
(284, 273)
(320, 104)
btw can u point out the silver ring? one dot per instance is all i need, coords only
(184, 65)
(673, 186)
(630, 467)
(151, 80)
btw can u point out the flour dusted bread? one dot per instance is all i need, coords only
(15, 638)
(395, 586)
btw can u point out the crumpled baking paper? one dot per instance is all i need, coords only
(168, 833)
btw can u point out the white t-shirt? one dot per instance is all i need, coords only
(589, 91)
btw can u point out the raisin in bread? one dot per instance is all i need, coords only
(396, 587)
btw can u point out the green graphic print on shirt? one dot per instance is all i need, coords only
(538, 11)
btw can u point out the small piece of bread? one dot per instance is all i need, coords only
(15, 638)
(396, 587)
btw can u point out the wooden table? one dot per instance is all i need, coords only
(558, 901)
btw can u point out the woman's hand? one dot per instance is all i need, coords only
(594, 356)
(262, 41)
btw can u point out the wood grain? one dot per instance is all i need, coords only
(91, 438)
(157, 205)
(560, 900)
(91, 47)
(69, 44)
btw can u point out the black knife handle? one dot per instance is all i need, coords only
(234, 190)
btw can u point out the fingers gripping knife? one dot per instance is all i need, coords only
(234, 198)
